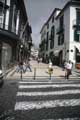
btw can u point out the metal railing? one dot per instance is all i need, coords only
(76, 22)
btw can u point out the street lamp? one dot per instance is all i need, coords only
(21, 61)
(21, 53)
(21, 46)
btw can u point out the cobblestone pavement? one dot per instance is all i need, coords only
(40, 100)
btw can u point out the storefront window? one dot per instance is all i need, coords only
(77, 36)
(77, 30)
(77, 56)
(1, 17)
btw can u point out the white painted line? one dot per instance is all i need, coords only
(50, 85)
(63, 92)
(63, 119)
(25, 82)
(46, 104)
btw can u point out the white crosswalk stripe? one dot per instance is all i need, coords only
(63, 119)
(25, 82)
(46, 104)
(65, 89)
(47, 86)
(64, 92)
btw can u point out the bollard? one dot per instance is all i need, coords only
(21, 74)
(50, 76)
(21, 71)
(50, 70)
(34, 73)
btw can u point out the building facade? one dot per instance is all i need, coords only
(64, 34)
(14, 31)
(34, 53)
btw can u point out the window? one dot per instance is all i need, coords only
(58, 40)
(14, 18)
(78, 16)
(61, 39)
(47, 25)
(52, 37)
(52, 19)
(76, 36)
(61, 23)
(77, 30)
(51, 56)
(47, 41)
(1, 17)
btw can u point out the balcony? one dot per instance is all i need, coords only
(8, 34)
(60, 29)
(6, 28)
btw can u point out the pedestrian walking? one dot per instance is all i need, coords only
(17, 68)
(24, 67)
(21, 66)
(50, 69)
(28, 66)
(63, 65)
(38, 60)
(68, 69)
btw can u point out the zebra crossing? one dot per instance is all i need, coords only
(61, 100)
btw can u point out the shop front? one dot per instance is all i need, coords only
(77, 58)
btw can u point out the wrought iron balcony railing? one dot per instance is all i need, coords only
(76, 23)
(13, 30)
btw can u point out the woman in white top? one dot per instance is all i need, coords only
(68, 69)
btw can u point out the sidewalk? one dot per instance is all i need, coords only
(40, 70)
(8, 72)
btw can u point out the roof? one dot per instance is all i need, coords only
(70, 3)
(49, 18)
(56, 9)
(43, 27)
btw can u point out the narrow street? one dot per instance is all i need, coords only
(40, 100)
(39, 60)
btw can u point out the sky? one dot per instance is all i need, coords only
(38, 12)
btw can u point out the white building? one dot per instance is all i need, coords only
(34, 53)
(62, 31)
